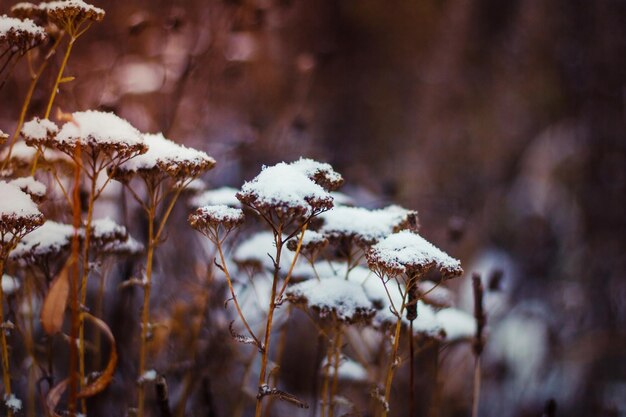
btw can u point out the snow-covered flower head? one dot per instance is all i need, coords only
(65, 12)
(101, 133)
(3, 137)
(35, 189)
(40, 132)
(20, 35)
(165, 156)
(209, 217)
(333, 297)
(364, 226)
(27, 10)
(46, 242)
(18, 215)
(408, 253)
(321, 173)
(286, 189)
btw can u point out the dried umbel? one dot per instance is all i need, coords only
(18, 216)
(100, 133)
(286, 191)
(165, 157)
(408, 253)
(208, 218)
(333, 297)
(321, 173)
(44, 245)
(29, 185)
(22, 156)
(19, 35)
(366, 227)
(106, 231)
(40, 133)
(26, 10)
(71, 12)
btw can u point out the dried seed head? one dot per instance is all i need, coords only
(101, 132)
(40, 132)
(35, 189)
(49, 240)
(3, 137)
(128, 247)
(26, 10)
(18, 215)
(287, 191)
(106, 230)
(68, 12)
(166, 157)
(20, 35)
(363, 226)
(321, 173)
(408, 253)
(209, 217)
(333, 297)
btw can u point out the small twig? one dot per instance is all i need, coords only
(162, 397)
(479, 343)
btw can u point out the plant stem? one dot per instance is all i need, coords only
(337, 358)
(6, 372)
(145, 313)
(55, 88)
(326, 377)
(476, 391)
(232, 292)
(28, 98)
(74, 277)
(84, 279)
(394, 357)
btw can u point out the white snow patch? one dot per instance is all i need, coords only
(9, 284)
(368, 225)
(15, 202)
(39, 129)
(13, 403)
(50, 237)
(30, 186)
(407, 249)
(286, 186)
(164, 153)
(223, 195)
(91, 126)
(14, 25)
(347, 299)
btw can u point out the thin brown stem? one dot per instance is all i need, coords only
(234, 296)
(6, 372)
(29, 95)
(336, 359)
(145, 313)
(394, 356)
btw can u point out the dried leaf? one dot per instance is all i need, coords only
(100, 383)
(54, 395)
(53, 309)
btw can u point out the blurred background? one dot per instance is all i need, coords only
(501, 122)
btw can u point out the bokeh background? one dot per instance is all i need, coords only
(501, 122)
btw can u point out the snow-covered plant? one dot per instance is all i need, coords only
(287, 197)
(166, 169)
(403, 259)
(18, 216)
